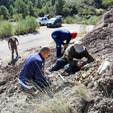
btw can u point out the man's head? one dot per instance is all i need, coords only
(45, 52)
(79, 47)
(13, 37)
(73, 35)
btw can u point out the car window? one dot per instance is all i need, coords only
(58, 20)
(52, 20)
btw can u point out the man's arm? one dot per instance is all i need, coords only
(88, 61)
(89, 58)
(17, 41)
(69, 55)
(9, 44)
(68, 39)
(40, 78)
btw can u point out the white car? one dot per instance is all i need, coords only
(42, 21)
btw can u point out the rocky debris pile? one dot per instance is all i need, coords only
(100, 40)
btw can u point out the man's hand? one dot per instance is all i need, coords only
(9, 48)
(79, 64)
(65, 46)
(47, 72)
(51, 76)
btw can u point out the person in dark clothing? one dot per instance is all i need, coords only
(71, 60)
(59, 36)
(13, 46)
(33, 70)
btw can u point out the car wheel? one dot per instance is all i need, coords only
(54, 25)
(40, 24)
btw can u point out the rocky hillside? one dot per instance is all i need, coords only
(86, 91)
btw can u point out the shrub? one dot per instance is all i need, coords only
(21, 27)
(93, 20)
(69, 20)
(31, 24)
(17, 17)
(26, 26)
(6, 29)
(83, 20)
(99, 12)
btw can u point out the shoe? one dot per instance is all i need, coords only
(59, 56)
(65, 74)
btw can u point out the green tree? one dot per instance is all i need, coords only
(11, 2)
(66, 11)
(38, 4)
(52, 2)
(11, 11)
(69, 9)
(4, 12)
(21, 8)
(30, 8)
(59, 6)
(107, 2)
(41, 12)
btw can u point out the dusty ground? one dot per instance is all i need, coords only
(83, 92)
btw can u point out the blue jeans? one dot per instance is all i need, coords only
(62, 63)
(58, 47)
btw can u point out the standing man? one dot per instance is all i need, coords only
(72, 58)
(33, 70)
(13, 46)
(59, 36)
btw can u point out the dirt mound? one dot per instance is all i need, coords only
(100, 40)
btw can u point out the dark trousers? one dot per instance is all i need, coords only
(58, 47)
(12, 49)
(62, 63)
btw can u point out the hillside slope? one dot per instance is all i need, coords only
(84, 92)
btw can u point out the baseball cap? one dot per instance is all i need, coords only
(73, 35)
(79, 46)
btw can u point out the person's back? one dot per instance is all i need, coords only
(33, 70)
(61, 34)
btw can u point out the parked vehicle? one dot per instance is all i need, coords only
(59, 16)
(42, 21)
(54, 22)
(47, 16)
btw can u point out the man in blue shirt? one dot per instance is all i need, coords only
(33, 70)
(59, 36)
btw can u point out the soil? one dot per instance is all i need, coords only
(86, 91)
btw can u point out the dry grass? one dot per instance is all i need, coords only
(47, 105)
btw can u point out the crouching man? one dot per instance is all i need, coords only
(71, 60)
(33, 70)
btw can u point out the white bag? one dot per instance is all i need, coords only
(103, 67)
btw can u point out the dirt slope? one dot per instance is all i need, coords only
(83, 92)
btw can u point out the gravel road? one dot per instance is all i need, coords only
(42, 37)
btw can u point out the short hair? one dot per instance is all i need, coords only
(45, 49)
